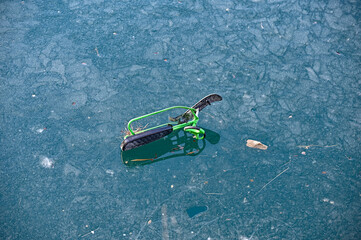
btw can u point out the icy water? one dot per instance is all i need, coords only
(74, 72)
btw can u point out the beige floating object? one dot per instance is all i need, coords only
(256, 144)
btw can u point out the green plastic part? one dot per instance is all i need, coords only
(197, 132)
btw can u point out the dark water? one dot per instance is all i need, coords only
(74, 72)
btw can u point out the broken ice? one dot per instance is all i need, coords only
(46, 162)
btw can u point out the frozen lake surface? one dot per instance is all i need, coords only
(74, 72)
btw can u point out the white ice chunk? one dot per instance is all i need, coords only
(40, 130)
(46, 162)
(110, 172)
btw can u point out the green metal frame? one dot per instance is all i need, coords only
(192, 122)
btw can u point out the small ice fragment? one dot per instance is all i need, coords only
(40, 130)
(46, 162)
(256, 144)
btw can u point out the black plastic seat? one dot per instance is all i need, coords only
(146, 137)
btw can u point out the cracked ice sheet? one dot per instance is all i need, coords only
(288, 72)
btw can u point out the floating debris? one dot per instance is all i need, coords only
(96, 50)
(256, 144)
(308, 146)
(272, 180)
(126, 132)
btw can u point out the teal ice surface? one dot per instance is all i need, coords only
(74, 72)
